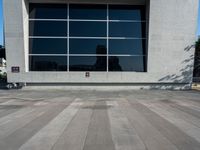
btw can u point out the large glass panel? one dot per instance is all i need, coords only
(48, 28)
(86, 11)
(126, 63)
(127, 46)
(83, 63)
(87, 46)
(47, 46)
(48, 63)
(88, 29)
(48, 11)
(127, 29)
(126, 12)
(87, 37)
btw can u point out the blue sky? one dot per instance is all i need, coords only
(198, 32)
(1, 24)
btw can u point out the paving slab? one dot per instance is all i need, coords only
(99, 120)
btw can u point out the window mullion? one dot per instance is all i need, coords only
(107, 38)
(68, 37)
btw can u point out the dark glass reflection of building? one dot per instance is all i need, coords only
(125, 43)
(101, 61)
(114, 64)
(48, 66)
(90, 63)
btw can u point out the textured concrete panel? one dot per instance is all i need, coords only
(172, 28)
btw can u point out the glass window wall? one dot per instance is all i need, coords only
(87, 37)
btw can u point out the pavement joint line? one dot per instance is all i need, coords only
(81, 104)
(4, 97)
(5, 122)
(41, 104)
(18, 116)
(121, 124)
(40, 114)
(49, 132)
(183, 125)
(18, 131)
(92, 114)
(6, 103)
(20, 98)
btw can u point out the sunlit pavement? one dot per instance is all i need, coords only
(97, 120)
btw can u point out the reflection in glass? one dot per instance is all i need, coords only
(47, 46)
(88, 29)
(87, 63)
(48, 63)
(101, 49)
(86, 46)
(87, 11)
(114, 64)
(126, 12)
(127, 29)
(47, 11)
(48, 28)
(126, 63)
(87, 36)
(127, 46)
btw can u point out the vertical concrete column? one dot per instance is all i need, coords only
(16, 34)
(172, 28)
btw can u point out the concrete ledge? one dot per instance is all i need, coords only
(105, 87)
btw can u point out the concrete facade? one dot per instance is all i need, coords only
(171, 34)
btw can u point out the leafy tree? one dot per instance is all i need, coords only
(197, 46)
(197, 59)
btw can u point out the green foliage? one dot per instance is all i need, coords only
(197, 59)
(3, 77)
(197, 46)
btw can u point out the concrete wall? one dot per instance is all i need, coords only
(172, 28)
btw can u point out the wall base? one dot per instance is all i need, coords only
(106, 87)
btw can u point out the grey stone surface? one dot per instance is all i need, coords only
(172, 26)
(96, 120)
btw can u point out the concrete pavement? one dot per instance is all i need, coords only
(99, 120)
